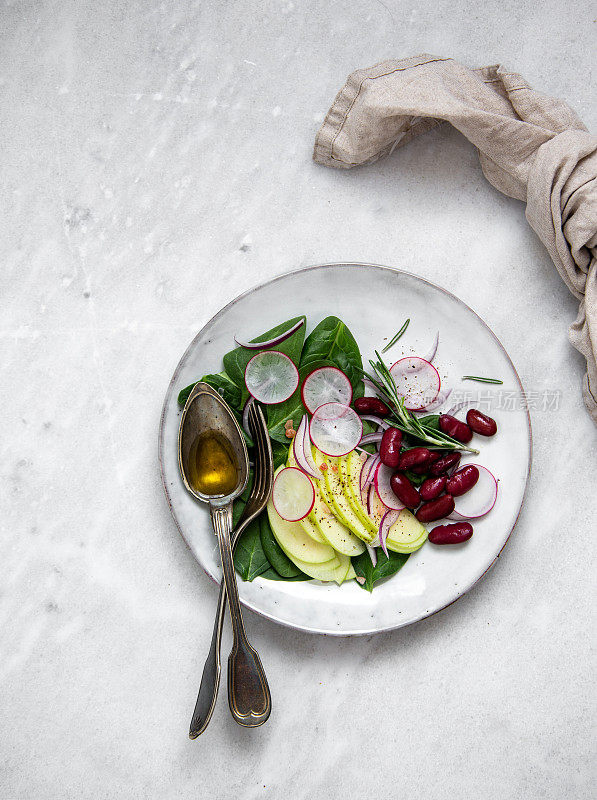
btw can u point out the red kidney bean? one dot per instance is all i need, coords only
(451, 534)
(455, 428)
(414, 457)
(371, 405)
(449, 461)
(480, 423)
(432, 487)
(462, 481)
(423, 469)
(404, 490)
(389, 449)
(436, 509)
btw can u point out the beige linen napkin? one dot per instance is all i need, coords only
(532, 147)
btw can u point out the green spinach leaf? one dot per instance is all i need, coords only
(385, 567)
(235, 362)
(249, 558)
(222, 384)
(272, 575)
(274, 553)
(240, 502)
(280, 453)
(332, 343)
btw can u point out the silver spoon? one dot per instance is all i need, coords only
(214, 464)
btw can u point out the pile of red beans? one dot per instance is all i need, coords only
(434, 499)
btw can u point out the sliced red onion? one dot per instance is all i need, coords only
(384, 490)
(368, 472)
(376, 420)
(458, 407)
(371, 438)
(372, 553)
(246, 417)
(302, 450)
(271, 342)
(388, 519)
(431, 355)
(360, 579)
(479, 500)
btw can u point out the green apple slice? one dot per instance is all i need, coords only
(309, 523)
(336, 570)
(350, 474)
(337, 499)
(334, 531)
(295, 542)
(325, 522)
(407, 534)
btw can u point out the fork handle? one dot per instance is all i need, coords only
(210, 679)
(248, 692)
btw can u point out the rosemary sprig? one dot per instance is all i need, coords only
(402, 418)
(481, 380)
(398, 335)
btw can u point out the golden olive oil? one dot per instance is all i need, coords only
(212, 464)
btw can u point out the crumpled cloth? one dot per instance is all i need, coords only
(531, 147)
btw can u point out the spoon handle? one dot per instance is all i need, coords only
(210, 679)
(248, 691)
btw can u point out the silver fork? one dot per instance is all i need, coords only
(242, 689)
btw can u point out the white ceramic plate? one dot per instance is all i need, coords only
(434, 576)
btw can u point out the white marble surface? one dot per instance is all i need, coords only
(155, 162)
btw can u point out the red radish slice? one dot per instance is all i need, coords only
(417, 381)
(479, 500)
(384, 490)
(271, 377)
(375, 420)
(335, 429)
(371, 438)
(301, 448)
(293, 494)
(431, 354)
(438, 402)
(271, 342)
(388, 519)
(326, 385)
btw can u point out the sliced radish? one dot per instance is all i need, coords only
(438, 402)
(301, 448)
(326, 385)
(417, 381)
(388, 519)
(271, 342)
(431, 354)
(336, 429)
(293, 494)
(384, 490)
(480, 500)
(271, 377)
